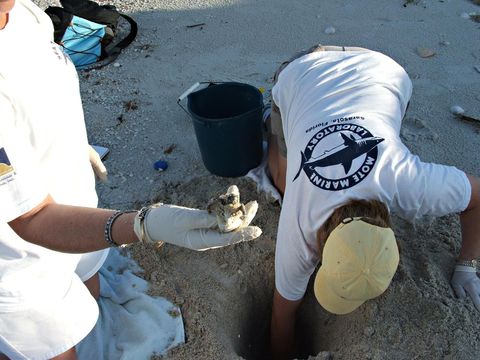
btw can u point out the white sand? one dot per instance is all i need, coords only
(225, 294)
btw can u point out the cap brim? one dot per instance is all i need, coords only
(329, 300)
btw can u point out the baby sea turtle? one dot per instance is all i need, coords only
(231, 213)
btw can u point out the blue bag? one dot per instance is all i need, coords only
(90, 33)
(82, 41)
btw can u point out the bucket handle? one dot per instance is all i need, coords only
(189, 91)
(185, 94)
(192, 89)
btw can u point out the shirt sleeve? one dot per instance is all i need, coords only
(429, 189)
(21, 186)
(292, 274)
(295, 261)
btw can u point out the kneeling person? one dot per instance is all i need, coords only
(338, 111)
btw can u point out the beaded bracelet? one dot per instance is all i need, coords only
(107, 232)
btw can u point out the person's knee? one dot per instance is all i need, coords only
(93, 285)
(70, 354)
(277, 165)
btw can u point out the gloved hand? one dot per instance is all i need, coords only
(465, 281)
(191, 228)
(98, 168)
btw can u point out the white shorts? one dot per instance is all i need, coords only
(51, 326)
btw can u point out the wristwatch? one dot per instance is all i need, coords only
(139, 224)
(475, 263)
(140, 218)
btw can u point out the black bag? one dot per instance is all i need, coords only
(112, 42)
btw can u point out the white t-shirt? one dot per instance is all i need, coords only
(341, 114)
(43, 150)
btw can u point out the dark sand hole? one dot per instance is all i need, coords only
(312, 328)
(250, 338)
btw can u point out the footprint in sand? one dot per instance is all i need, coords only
(415, 130)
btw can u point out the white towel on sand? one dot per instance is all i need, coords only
(132, 324)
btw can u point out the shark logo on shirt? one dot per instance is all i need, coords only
(339, 156)
(5, 166)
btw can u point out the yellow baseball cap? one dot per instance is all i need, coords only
(358, 264)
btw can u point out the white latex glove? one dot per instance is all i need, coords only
(97, 165)
(190, 228)
(466, 281)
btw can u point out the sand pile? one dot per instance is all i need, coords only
(224, 294)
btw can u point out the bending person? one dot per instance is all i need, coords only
(338, 111)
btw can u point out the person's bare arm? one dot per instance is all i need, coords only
(75, 229)
(470, 223)
(465, 280)
(72, 229)
(282, 330)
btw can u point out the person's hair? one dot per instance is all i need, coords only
(371, 211)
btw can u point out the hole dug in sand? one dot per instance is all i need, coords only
(252, 320)
(316, 329)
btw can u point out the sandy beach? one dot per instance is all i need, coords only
(225, 294)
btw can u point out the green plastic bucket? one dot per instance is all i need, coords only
(227, 118)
